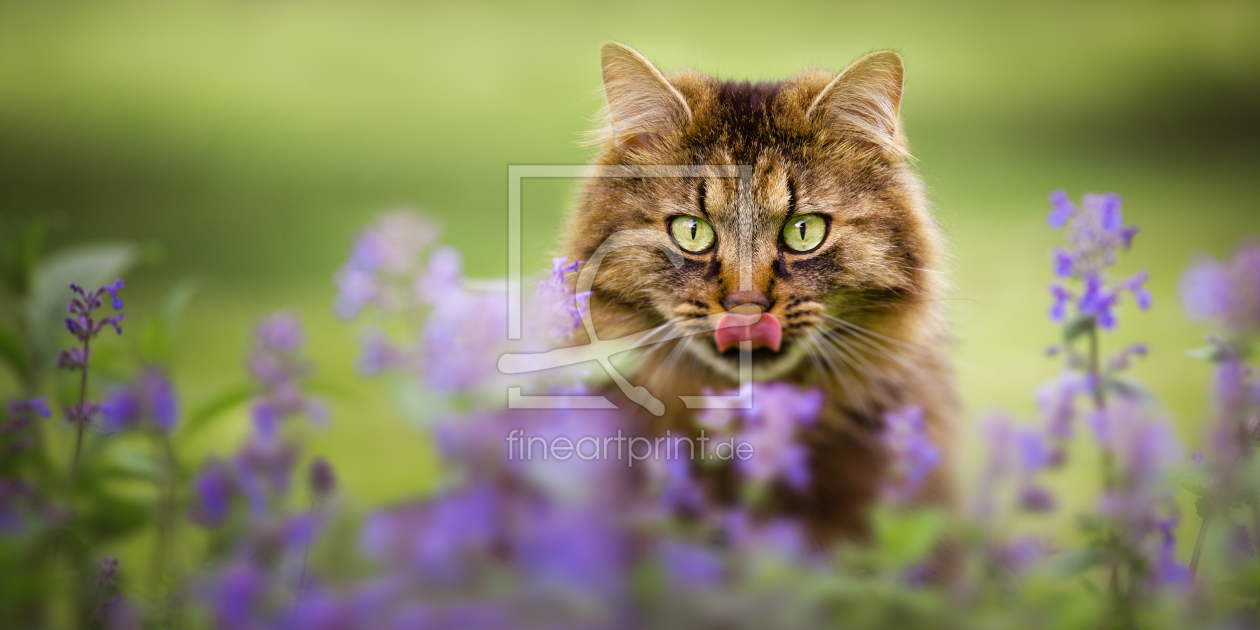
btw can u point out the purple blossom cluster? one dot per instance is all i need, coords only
(1019, 455)
(912, 451)
(17, 497)
(1227, 292)
(518, 536)
(1095, 234)
(448, 331)
(85, 324)
(276, 364)
(261, 470)
(779, 412)
(149, 401)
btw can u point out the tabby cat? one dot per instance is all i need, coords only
(842, 263)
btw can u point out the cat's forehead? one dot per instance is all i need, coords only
(742, 120)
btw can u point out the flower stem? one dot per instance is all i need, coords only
(80, 419)
(306, 551)
(1198, 544)
(1099, 397)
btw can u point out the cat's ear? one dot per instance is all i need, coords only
(862, 102)
(642, 103)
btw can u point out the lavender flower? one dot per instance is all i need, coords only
(213, 490)
(1095, 232)
(384, 258)
(276, 363)
(568, 305)
(150, 397)
(321, 477)
(108, 569)
(779, 412)
(913, 454)
(690, 565)
(235, 597)
(1228, 292)
(82, 322)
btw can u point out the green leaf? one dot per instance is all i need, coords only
(1211, 352)
(159, 335)
(115, 517)
(216, 408)
(906, 538)
(1077, 327)
(1076, 561)
(89, 266)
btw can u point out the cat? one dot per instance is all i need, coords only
(842, 260)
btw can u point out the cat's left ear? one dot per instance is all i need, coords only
(641, 100)
(863, 101)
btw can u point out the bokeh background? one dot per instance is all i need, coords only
(243, 143)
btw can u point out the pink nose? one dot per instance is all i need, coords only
(763, 332)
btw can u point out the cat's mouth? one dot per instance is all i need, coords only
(773, 354)
(763, 331)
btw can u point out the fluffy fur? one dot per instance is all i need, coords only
(861, 313)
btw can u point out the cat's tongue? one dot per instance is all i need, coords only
(763, 332)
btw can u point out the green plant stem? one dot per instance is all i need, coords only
(1198, 544)
(82, 422)
(306, 552)
(1099, 397)
(1100, 405)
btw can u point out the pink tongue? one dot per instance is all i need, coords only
(733, 328)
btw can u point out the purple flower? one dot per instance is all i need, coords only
(1035, 498)
(280, 333)
(235, 596)
(82, 323)
(1166, 570)
(384, 258)
(276, 364)
(439, 539)
(1239, 542)
(913, 454)
(1064, 263)
(150, 397)
(1062, 298)
(1062, 209)
(441, 277)
(108, 569)
(1057, 402)
(567, 304)
(461, 340)
(1229, 293)
(322, 479)
(378, 354)
(690, 565)
(113, 293)
(575, 548)
(213, 490)
(21, 412)
(1095, 232)
(779, 411)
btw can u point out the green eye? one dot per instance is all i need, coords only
(692, 234)
(805, 233)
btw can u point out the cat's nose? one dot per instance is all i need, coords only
(740, 298)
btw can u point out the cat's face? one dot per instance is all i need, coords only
(825, 237)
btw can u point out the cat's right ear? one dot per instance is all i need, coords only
(642, 103)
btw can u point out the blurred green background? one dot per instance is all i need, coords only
(244, 143)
